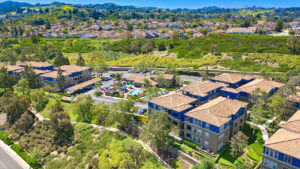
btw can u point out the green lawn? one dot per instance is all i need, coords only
(67, 108)
(254, 147)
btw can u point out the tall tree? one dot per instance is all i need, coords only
(39, 98)
(55, 106)
(14, 105)
(60, 60)
(80, 61)
(32, 77)
(64, 131)
(84, 108)
(60, 79)
(22, 86)
(156, 131)
(237, 143)
(122, 110)
(279, 106)
(6, 80)
(101, 67)
(279, 25)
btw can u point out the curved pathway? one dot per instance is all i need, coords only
(100, 127)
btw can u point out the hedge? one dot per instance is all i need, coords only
(32, 162)
(6, 139)
(253, 155)
(190, 144)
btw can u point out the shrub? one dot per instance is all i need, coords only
(186, 149)
(33, 163)
(142, 119)
(98, 93)
(253, 155)
(6, 139)
(190, 144)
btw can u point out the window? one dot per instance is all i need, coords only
(267, 151)
(276, 154)
(270, 164)
(220, 146)
(271, 153)
(188, 135)
(194, 130)
(235, 124)
(207, 126)
(199, 132)
(189, 127)
(207, 135)
(266, 161)
(241, 121)
(175, 123)
(221, 137)
(206, 144)
(287, 159)
(175, 115)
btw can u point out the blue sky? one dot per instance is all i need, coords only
(183, 3)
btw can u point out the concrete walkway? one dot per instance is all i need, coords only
(264, 128)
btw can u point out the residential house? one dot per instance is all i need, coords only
(241, 30)
(212, 124)
(282, 150)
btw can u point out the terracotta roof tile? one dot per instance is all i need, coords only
(287, 138)
(264, 85)
(201, 88)
(174, 101)
(218, 111)
(140, 79)
(231, 78)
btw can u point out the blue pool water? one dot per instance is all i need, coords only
(135, 92)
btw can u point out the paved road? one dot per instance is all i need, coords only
(7, 162)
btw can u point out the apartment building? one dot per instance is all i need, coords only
(48, 74)
(282, 150)
(203, 90)
(175, 104)
(232, 80)
(73, 75)
(245, 92)
(212, 124)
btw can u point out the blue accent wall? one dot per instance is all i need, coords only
(231, 95)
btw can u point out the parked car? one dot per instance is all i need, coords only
(142, 111)
(107, 78)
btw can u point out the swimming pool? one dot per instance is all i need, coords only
(135, 92)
